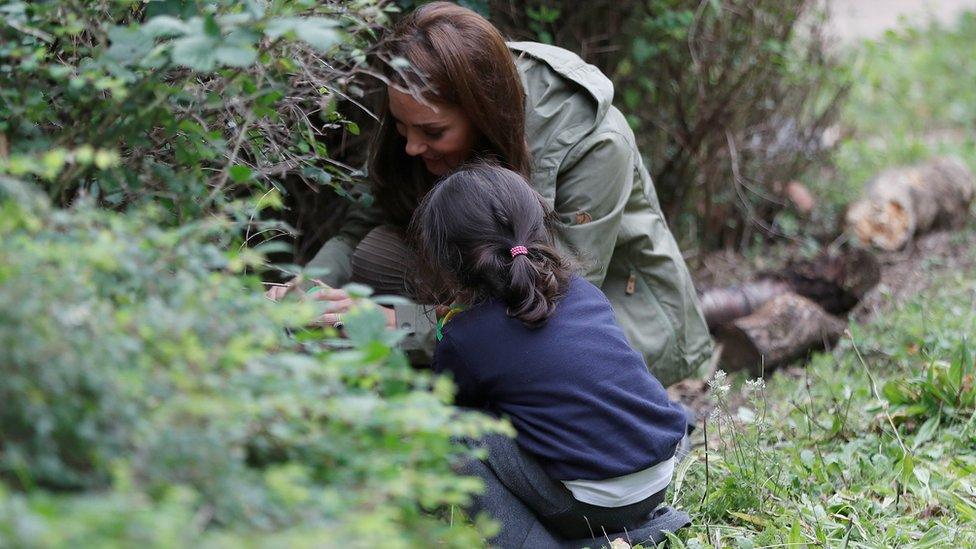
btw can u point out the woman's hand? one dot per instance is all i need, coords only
(277, 292)
(339, 303)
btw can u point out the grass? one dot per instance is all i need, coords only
(874, 443)
(868, 446)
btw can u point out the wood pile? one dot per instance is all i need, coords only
(784, 315)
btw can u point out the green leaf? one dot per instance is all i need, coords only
(907, 468)
(210, 26)
(962, 362)
(898, 392)
(195, 52)
(165, 26)
(240, 173)
(926, 431)
(364, 324)
(358, 290)
(318, 175)
(319, 32)
(236, 56)
(129, 45)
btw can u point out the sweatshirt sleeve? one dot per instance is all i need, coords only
(449, 360)
(592, 190)
(335, 257)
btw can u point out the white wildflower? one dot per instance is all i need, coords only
(718, 384)
(755, 386)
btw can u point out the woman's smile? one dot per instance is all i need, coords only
(441, 134)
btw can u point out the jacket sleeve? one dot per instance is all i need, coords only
(335, 257)
(592, 189)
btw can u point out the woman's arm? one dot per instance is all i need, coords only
(592, 189)
(334, 260)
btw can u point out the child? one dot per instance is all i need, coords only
(596, 433)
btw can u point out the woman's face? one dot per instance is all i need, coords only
(439, 133)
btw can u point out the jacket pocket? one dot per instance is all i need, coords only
(645, 324)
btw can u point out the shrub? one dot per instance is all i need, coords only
(188, 104)
(729, 99)
(152, 395)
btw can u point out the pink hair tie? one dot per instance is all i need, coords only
(519, 250)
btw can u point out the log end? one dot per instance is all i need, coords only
(886, 225)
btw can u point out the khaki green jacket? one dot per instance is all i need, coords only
(587, 167)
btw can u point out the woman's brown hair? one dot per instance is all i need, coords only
(456, 57)
(465, 230)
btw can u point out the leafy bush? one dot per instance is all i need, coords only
(188, 104)
(731, 100)
(152, 395)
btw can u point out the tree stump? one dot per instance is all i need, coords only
(902, 202)
(786, 328)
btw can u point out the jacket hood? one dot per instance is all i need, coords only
(566, 99)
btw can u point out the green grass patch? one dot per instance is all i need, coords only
(874, 443)
(869, 446)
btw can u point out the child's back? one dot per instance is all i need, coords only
(580, 398)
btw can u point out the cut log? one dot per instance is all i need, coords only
(902, 202)
(722, 305)
(786, 328)
(837, 281)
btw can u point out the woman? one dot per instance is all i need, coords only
(542, 112)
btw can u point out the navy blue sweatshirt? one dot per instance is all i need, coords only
(580, 398)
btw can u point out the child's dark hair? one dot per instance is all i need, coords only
(465, 229)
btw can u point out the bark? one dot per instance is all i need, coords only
(837, 281)
(785, 329)
(902, 202)
(723, 305)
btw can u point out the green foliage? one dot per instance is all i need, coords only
(871, 445)
(152, 395)
(867, 446)
(540, 18)
(189, 104)
(945, 390)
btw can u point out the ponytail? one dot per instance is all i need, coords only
(534, 285)
(468, 231)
